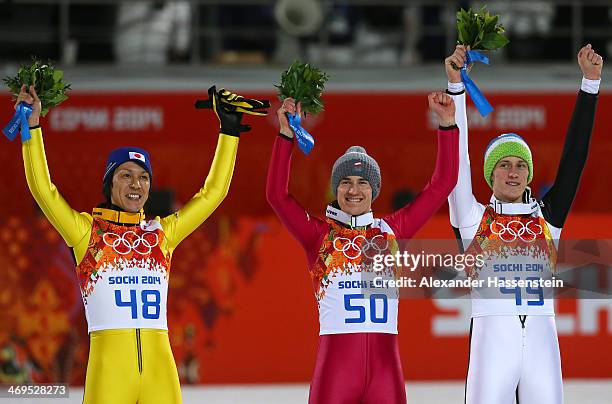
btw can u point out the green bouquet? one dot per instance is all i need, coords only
(304, 83)
(47, 81)
(480, 30)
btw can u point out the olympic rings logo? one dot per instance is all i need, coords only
(528, 232)
(352, 250)
(130, 241)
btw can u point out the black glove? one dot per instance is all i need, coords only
(229, 117)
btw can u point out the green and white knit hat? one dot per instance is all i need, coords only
(508, 144)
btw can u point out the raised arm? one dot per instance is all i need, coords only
(71, 225)
(463, 207)
(306, 229)
(409, 219)
(558, 200)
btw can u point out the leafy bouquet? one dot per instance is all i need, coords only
(480, 30)
(304, 83)
(46, 79)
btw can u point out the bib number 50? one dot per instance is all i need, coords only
(351, 306)
(150, 303)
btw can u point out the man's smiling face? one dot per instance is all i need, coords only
(131, 185)
(354, 195)
(510, 179)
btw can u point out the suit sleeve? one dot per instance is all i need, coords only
(72, 225)
(558, 200)
(463, 207)
(308, 230)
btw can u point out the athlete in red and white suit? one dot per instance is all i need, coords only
(358, 358)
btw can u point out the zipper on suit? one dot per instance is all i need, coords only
(139, 350)
(523, 318)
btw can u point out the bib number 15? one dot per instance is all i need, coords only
(150, 303)
(376, 300)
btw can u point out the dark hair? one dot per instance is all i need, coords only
(106, 192)
(106, 189)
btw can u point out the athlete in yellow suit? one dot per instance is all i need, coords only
(123, 261)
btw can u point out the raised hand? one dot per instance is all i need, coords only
(230, 121)
(444, 107)
(30, 98)
(590, 63)
(288, 106)
(455, 62)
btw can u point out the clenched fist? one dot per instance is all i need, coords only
(444, 107)
(590, 63)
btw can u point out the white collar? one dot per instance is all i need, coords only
(527, 207)
(338, 215)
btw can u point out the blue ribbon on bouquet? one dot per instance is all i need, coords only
(305, 139)
(19, 121)
(483, 106)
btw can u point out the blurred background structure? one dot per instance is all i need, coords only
(241, 310)
(387, 33)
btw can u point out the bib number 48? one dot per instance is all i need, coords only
(376, 300)
(150, 307)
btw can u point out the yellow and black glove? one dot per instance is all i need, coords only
(237, 103)
(246, 105)
(229, 108)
